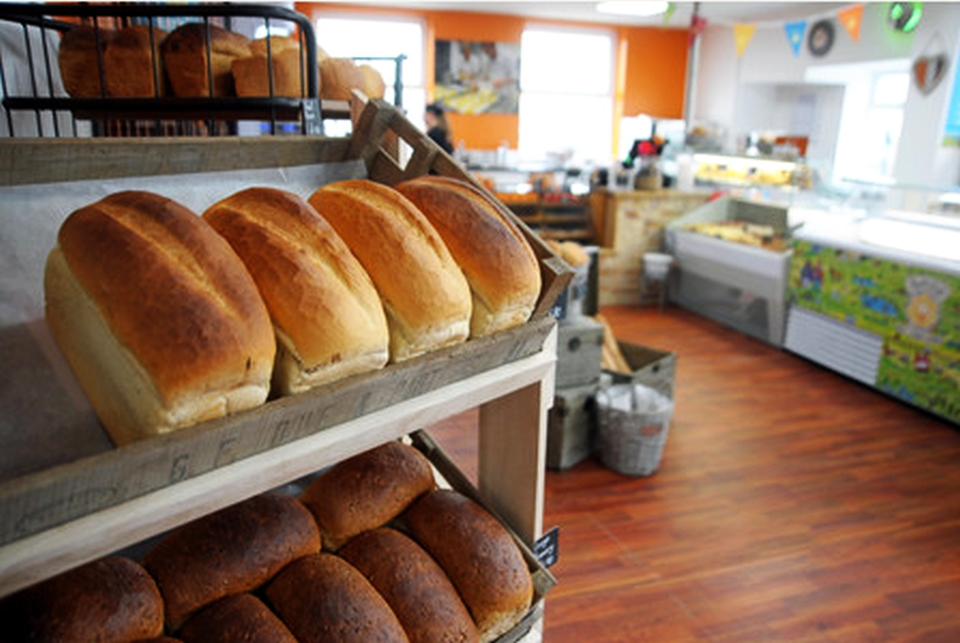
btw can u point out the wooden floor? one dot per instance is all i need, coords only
(791, 504)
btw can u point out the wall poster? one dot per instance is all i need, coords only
(475, 77)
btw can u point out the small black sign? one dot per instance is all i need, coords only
(547, 546)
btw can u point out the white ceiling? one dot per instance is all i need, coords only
(726, 13)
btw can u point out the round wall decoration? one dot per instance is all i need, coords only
(820, 39)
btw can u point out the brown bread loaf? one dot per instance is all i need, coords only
(251, 75)
(110, 599)
(413, 584)
(479, 556)
(367, 491)
(235, 619)
(80, 61)
(497, 261)
(424, 293)
(130, 284)
(327, 314)
(185, 59)
(323, 599)
(128, 63)
(234, 550)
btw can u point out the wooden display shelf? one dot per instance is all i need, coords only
(66, 515)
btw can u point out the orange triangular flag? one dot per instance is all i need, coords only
(850, 19)
(742, 34)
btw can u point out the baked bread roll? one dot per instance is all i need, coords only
(323, 599)
(233, 550)
(130, 284)
(367, 491)
(79, 59)
(110, 599)
(128, 62)
(327, 314)
(415, 587)
(424, 293)
(497, 261)
(185, 59)
(479, 556)
(240, 617)
(251, 75)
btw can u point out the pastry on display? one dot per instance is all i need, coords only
(157, 316)
(328, 317)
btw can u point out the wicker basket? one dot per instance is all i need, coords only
(633, 422)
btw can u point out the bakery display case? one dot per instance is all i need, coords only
(736, 171)
(68, 496)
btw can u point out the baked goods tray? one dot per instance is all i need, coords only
(58, 484)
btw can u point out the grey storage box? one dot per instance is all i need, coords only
(571, 426)
(579, 352)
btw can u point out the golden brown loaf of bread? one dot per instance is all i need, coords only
(327, 314)
(233, 550)
(128, 63)
(185, 59)
(373, 85)
(239, 618)
(413, 584)
(251, 75)
(323, 599)
(339, 77)
(497, 261)
(367, 491)
(80, 60)
(157, 316)
(478, 554)
(424, 293)
(110, 599)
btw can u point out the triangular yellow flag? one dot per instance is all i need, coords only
(742, 34)
(850, 19)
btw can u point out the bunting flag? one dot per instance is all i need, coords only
(697, 26)
(671, 7)
(742, 34)
(850, 19)
(795, 32)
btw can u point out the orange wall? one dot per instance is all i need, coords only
(651, 66)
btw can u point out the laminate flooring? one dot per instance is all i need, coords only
(791, 504)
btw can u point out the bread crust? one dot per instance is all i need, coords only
(413, 584)
(110, 599)
(367, 491)
(328, 317)
(340, 604)
(185, 59)
(240, 617)
(233, 550)
(158, 317)
(425, 296)
(497, 261)
(478, 555)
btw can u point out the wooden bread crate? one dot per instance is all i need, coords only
(56, 506)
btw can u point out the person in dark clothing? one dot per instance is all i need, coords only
(438, 128)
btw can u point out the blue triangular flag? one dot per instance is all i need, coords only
(795, 31)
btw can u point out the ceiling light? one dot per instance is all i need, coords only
(636, 8)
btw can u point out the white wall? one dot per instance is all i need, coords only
(769, 59)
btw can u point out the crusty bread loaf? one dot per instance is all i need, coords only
(235, 619)
(413, 584)
(373, 85)
(497, 261)
(251, 75)
(128, 63)
(157, 316)
(339, 77)
(366, 491)
(110, 599)
(323, 599)
(230, 551)
(424, 293)
(328, 317)
(185, 59)
(478, 554)
(80, 61)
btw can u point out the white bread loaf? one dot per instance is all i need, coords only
(424, 293)
(80, 60)
(185, 59)
(327, 314)
(497, 261)
(157, 316)
(128, 62)
(251, 75)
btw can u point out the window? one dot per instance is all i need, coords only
(343, 37)
(566, 94)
